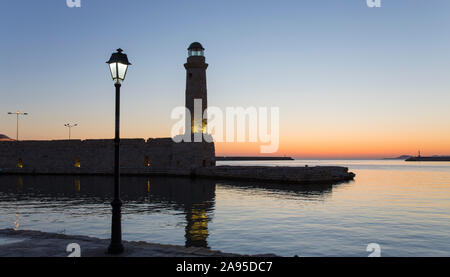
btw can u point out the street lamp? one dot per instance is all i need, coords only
(70, 126)
(17, 127)
(118, 65)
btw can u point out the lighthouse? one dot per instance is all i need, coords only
(196, 93)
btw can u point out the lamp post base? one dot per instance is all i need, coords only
(116, 246)
(115, 249)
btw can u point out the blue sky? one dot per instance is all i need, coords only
(325, 63)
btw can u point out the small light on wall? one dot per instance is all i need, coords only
(77, 163)
(20, 163)
(147, 162)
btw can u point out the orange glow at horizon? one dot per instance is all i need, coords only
(321, 137)
(318, 146)
(344, 147)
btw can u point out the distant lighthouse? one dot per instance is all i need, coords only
(196, 93)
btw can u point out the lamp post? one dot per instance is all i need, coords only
(70, 126)
(17, 124)
(118, 65)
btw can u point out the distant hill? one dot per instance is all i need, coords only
(402, 157)
(5, 138)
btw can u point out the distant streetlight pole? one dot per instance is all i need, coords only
(70, 126)
(118, 65)
(18, 114)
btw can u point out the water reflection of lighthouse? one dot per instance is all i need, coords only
(195, 197)
(197, 225)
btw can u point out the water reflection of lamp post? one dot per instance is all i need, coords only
(70, 126)
(118, 65)
(17, 126)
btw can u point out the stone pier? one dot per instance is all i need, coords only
(285, 174)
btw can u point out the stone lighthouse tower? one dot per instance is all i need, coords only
(196, 96)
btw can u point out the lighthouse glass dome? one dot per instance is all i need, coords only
(196, 49)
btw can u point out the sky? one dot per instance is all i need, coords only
(350, 81)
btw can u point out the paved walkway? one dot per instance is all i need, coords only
(38, 244)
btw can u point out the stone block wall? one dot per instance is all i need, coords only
(137, 156)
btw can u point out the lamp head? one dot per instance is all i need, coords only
(118, 65)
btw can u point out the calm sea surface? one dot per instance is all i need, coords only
(404, 207)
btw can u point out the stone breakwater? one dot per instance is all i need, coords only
(152, 157)
(306, 175)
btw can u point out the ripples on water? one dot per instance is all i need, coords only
(404, 207)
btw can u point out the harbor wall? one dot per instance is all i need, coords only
(97, 156)
(160, 156)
